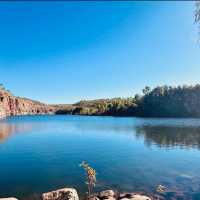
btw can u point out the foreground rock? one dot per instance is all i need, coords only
(61, 194)
(71, 194)
(111, 195)
(107, 193)
(134, 196)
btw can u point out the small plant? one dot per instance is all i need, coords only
(161, 189)
(91, 177)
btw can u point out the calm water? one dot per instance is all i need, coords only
(42, 153)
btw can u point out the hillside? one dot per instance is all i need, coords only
(11, 105)
(161, 101)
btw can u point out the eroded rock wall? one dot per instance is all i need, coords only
(11, 105)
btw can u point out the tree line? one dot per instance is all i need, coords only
(161, 101)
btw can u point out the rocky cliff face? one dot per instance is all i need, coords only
(11, 105)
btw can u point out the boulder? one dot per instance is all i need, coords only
(133, 196)
(125, 199)
(94, 198)
(107, 193)
(64, 194)
(109, 198)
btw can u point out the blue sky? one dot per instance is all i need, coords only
(61, 52)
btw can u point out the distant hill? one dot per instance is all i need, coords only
(161, 101)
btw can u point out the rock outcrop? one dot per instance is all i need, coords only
(134, 196)
(11, 105)
(111, 195)
(61, 194)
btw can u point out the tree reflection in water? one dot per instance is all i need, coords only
(170, 136)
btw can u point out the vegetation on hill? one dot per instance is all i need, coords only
(115, 106)
(162, 101)
(165, 101)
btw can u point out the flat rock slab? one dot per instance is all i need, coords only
(64, 194)
(107, 193)
(136, 197)
(10, 198)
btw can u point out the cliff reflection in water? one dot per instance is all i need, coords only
(8, 129)
(170, 136)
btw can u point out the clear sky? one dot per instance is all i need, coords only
(61, 52)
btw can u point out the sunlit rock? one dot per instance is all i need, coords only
(133, 196)
(64, 194)
(94, 198)
(107, 193)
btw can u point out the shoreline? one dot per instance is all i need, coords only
(159, 102)
(72, 194)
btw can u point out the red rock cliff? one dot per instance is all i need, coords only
(11, 105)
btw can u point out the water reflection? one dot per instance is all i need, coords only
(165, 133)
(170, 136)
(46, 156)
(6, 130)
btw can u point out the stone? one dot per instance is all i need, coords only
(125, 199)
(133, 196)
(107, 193)
(64, 194)
(94, 198)
(10, 198)
(109, 198)
(125, 195)
(140, 197)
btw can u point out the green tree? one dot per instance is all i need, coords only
(146, 90)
